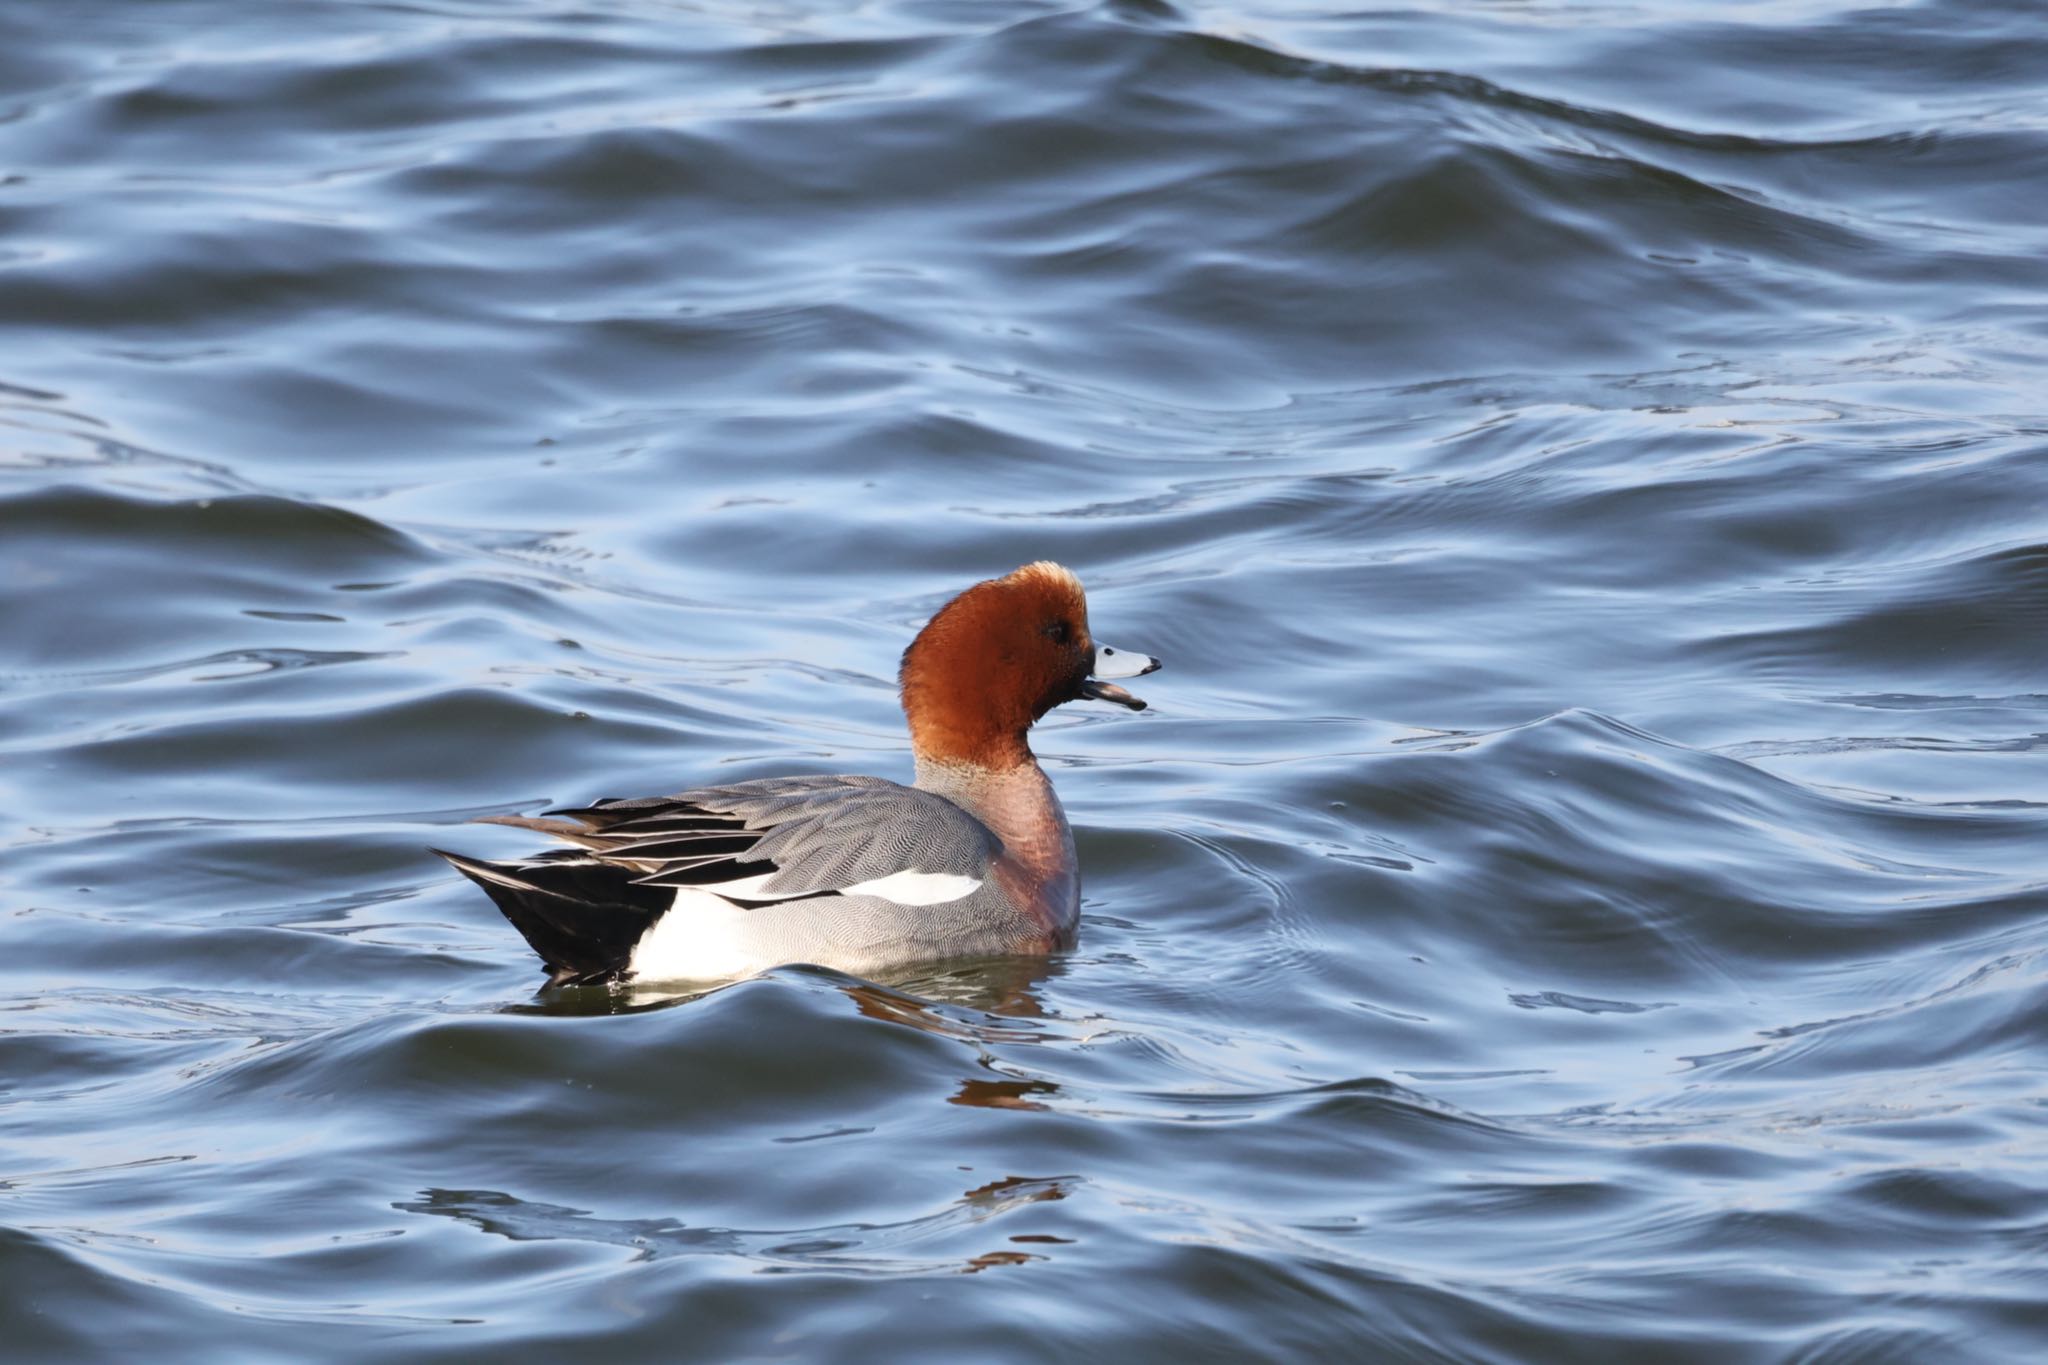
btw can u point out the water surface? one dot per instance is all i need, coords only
(1578, 894)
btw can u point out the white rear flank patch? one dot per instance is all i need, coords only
(702, 938)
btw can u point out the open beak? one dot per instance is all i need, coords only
(1117, 663)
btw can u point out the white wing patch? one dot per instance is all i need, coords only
(908, 887)
(916, 888)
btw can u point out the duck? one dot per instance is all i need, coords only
(974, 858)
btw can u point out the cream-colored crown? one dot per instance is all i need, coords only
(1049, 573)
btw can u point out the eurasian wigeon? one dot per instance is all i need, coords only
(851, 872)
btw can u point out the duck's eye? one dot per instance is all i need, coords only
(1059, 632)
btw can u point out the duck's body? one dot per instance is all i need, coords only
(850, 872)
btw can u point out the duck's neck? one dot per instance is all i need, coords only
(1018, 804)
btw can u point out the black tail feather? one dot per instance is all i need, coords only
(582, 917)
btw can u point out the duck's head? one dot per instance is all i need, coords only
(999, 656)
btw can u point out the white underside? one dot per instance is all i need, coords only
(704, 937)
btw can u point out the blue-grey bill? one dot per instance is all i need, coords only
(1111, 662)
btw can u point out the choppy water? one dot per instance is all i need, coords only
(1582, 891)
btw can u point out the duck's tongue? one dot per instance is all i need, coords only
(1117, 663)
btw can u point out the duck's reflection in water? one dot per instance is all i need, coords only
(925, 995)
(982, 1002)
(882, 1249)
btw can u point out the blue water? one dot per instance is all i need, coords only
(1580, 892)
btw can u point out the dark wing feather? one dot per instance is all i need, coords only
(584, 920)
